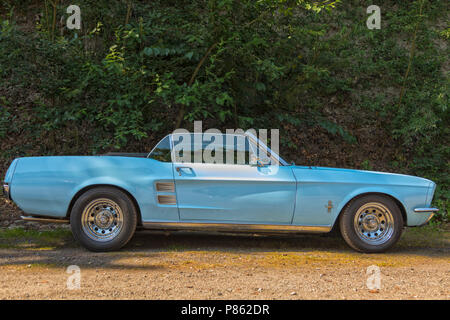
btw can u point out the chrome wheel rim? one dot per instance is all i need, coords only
(102, 220)
(374, 223)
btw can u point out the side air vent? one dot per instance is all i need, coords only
(167, 199)
(165, 187)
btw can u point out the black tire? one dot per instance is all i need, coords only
(111, 211)
(371, 223)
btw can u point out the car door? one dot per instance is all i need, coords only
(237, 192)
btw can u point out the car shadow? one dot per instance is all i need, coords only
(232, 242)
(252, 243)
(148, 250)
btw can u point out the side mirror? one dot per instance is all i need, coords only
(259, 162)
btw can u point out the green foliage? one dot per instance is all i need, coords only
(366, 165)
(4, 121)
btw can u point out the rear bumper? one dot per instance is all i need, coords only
(426, 210)
(429, 211)
(6, 191)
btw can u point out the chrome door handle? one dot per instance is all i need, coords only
(179, 169)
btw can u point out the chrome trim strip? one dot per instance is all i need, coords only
(235, 227)
(426, 210)
(45, 220)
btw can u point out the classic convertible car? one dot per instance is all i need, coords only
(105, 198)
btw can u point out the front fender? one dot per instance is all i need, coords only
(367, 190)
(409, 197)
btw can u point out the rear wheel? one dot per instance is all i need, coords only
(372, 223)
(103, 219)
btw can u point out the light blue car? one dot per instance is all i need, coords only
(105, 198)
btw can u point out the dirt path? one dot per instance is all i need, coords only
(204, 266)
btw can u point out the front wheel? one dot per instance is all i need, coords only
(371, 224)
(103, 219)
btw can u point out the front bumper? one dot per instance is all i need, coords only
(6, 191)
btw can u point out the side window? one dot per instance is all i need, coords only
(185, 151)
(207, 148)
(162, 151)
(238, 149)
